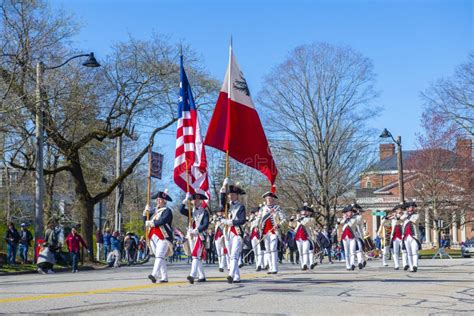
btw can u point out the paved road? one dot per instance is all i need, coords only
(440, 287)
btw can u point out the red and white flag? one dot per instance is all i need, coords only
(190, 164)
(235, 125)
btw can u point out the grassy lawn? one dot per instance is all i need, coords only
(428, 253)
(17, 268)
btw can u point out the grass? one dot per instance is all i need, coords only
(455, 253)
(17, 268)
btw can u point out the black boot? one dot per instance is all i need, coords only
(313, 265)
(361, 266)
(353, 267)
(152, 278)
(259, 268)
(190, 279)
(406, 268)
(230, 280)
(221, 270)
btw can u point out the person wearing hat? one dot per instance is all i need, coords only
(219, 239)
(411, 235)
(350, 225)
(236, 218)
(270, 219)
(384, 232)
(396, 237)
(255, 236)
(160, 235)
(305, 229)
(196, 233)
(359, 232)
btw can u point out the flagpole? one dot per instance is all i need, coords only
(229, 90)
(190, 218)
(148, 193)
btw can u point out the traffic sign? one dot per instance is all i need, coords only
(379, 213)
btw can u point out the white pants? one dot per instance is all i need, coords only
(271, 247)
(349, 251)
(397, 247)
(303, 249)
(385, 253)
(258, 253)
(235, 246)
(196, 264)
(114, 255)
(360, 252)
(412, 252)
(99, 251)
(159, 248)
(221, 257)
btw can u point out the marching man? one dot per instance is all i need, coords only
(219, 239)
(160, 235)
(234, 222)
(199, 225)
(411, 235)
(271, 217)
(397, 237)
(304, 228)
(255, 239)
(349, 236)
(384, 233)
(359, 234)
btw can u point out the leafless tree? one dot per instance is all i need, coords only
(319, 102)
(454, 96)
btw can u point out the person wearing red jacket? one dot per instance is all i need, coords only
(74, 242)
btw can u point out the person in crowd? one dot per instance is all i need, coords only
(106, 239)
(74, 242)
(45, 260)
(99, 238)
(130, 247)
(324, 239)
(141, 248)
(12, 238)
(113, 258)
(290, 241)
(25, 242)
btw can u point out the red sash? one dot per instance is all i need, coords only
(301, 233)
(398, 232)
(347, 233)
(157, 232)
(408, 231)
(218, 234)
(268, 227)
(254, 234)
(233, 230)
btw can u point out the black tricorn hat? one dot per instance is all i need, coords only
(199, 196)
(356, 207)
(348, 208)
(235, 189)
(163, 195)
(306, 208)
(273, 195)
(399, 206)
(410, 204)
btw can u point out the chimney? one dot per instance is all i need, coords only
(464, 148)
(386, 150)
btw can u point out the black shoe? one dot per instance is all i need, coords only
(236, 281)
(241, 265)
(313, 265)
(406, 268)
(305, 267)
(230, 280)
(152, 278)
(415, 268)
(396, 268)
(259, 268)
(348, 269)
(221, 270)
(361, 266)
(275, 272)
(202, 280)
(353, 267)
(163, 281)
(269, 272)
(365, 263)
(190, 279)
(267, 267)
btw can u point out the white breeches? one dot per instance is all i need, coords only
(397, 247)
(360, 252)
(159, 248)
(349, 251)
(303, 249)
(196, 265)
(271, 247)
(221, 256)
(235, 246)
(412, 252)
(258, 253)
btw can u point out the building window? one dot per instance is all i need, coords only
(368, 185)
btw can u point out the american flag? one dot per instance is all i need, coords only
(189, 144)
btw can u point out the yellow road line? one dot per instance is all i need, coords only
(109, 290)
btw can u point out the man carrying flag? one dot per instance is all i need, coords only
(190, 173)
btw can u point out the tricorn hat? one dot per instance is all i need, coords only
(199, 196)
(306, 208)
(348, 208)
(236, 189)
(162, 194)
(356, 207)
(273, 195)
(399, 206)
(410, 204)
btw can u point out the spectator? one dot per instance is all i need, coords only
(25, 242)
(106, 239)
(290, 240)
(51, 238)
(141, 248)
(113, 258)
(45, 260)
(247, 245)
(130, 247)
(99, 239)
(12, 237)
(324, 240)
(208, 244)
(74, 242)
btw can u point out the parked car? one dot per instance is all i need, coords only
(467, 248)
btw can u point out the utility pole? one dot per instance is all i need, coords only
(118, 189)
(400, 169)
(39, 177)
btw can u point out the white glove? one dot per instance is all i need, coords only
(193, 232)
(226, 182)
(146, 210)
(227, 222)
(149, 224)
(187, 198)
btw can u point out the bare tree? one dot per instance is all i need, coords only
(319, 102)
(85, 111)
(454, 96)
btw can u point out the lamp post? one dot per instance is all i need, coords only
(39, 175)
(398, 141)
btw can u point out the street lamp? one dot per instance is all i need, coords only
(398, 141)
(39, 176)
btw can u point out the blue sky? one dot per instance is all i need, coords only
(411, 43)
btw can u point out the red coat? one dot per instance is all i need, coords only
(74, 242)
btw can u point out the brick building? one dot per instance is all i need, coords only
(379, 191)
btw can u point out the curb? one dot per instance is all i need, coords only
(59, 270)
